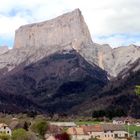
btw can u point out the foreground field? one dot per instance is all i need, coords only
(132, 128)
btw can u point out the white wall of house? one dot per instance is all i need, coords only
(118, 122)
(6, 130)
(80, 137)
(96, 134)
(108, 135)
(121, 133)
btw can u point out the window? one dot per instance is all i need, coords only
(120, 135)
(116, 135)
(7, 131)
(126, 135)
(4, 127)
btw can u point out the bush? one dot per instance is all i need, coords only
(4, 137)
(137, 89)
(40, 127)
(19, 134)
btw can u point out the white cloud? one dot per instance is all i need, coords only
(104, 17)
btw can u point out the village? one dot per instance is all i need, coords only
(121, 128)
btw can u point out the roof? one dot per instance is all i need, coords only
(53, 129)
(93, 128)
(2, 125)
(63, 124)
(113, 127)
(76, 131)
(103, 127)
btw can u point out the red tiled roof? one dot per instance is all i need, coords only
(93, 128)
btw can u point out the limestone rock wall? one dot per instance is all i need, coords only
(60, 31)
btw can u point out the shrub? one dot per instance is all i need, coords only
(19, 134)
(4, 137)
(137, 89)
(40, 127)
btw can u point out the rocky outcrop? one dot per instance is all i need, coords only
(118, 59)
(66, 32)
(63, 30)
(35, 41)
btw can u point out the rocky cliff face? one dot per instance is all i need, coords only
(46, 66)
(63, 30)
(66, 32)
(118, 59)
(35, 41)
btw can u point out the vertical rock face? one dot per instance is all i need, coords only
(60, 31)
(66, 32)
(118, 59)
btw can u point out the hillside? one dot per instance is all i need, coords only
(118, 94)
(55, 67)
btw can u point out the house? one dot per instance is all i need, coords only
(63, 124)
(52, 131)
(102, 132)
(114, 132)
(5, 129)
(119, 121)
(78, 133)
(94, 131)
(107, 132)
(50, 138)
(123, 120)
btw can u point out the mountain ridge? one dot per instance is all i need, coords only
(56, 66)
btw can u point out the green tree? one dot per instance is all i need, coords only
(20, 134)
(137, 89)
(40, 127)
(4, 137)
(26, 126)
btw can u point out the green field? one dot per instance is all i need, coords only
(87, 122)
(132, 128)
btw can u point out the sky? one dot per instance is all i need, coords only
(114, 22)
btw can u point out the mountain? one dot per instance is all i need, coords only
(38, 40)
(54, 83)
(118, 95)
(55, 66)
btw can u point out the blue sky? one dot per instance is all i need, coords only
(114, 22)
